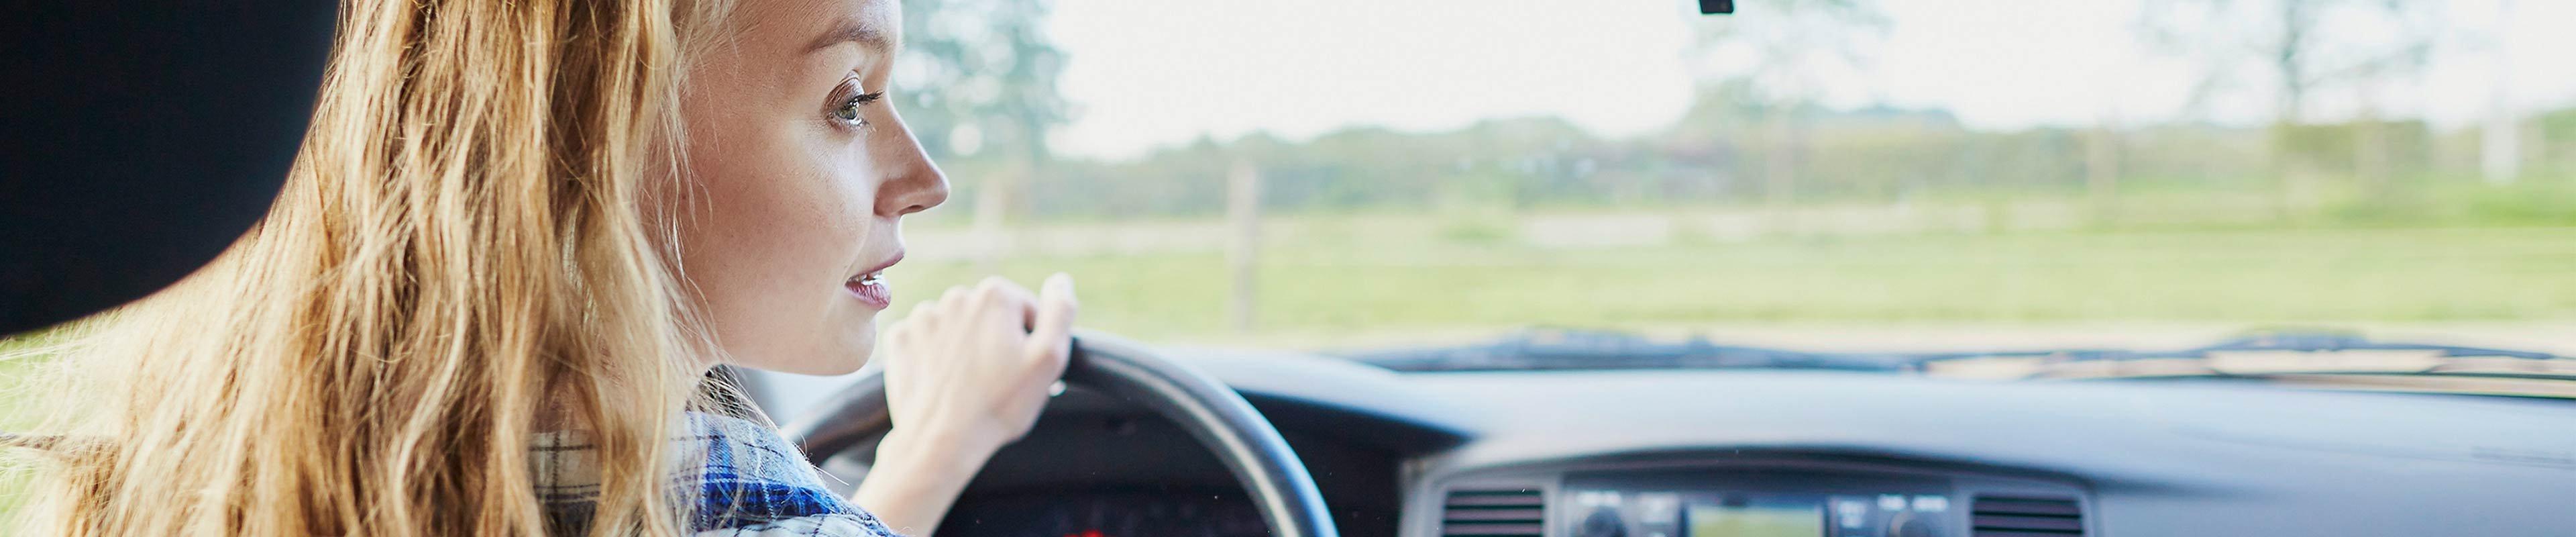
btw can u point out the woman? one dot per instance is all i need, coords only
(518, 236)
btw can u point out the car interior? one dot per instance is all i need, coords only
(1399, 446)
(1545, 432)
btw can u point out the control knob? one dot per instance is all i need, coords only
(1911, 525)
(1603, 522)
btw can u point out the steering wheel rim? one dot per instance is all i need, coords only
(1206, 408)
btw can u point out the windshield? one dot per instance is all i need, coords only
(1821, 175)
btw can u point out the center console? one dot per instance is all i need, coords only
(1755, 503)
(1753, 498)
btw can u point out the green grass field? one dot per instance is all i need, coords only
(1352, 280)
(2511, 274)
(1355, 280)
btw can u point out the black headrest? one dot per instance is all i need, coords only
(138, 139)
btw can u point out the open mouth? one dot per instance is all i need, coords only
(870, 288)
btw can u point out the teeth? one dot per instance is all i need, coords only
(870, 278)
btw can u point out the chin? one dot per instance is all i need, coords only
(837, 366)
(850, 353)
(843, 354)
(831, 369)
(823, 364)
(838, 355)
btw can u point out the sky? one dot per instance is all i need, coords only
(1150, 73)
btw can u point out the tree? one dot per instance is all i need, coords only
(984, 76)
(1784, 49)
(2301, 47)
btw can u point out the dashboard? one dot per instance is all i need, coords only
(1752, 453)
(1777, 496)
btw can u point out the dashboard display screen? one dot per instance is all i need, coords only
(1756, 520)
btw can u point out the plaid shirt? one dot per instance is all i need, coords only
(749, 483)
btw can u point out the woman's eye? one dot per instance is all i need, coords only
(852, 111)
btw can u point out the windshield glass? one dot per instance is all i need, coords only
(1820, 175)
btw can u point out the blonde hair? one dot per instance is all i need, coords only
(468, 253)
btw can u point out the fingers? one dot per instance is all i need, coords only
(998, 300)
(1004, 301)
(1051, 325)
(893, 342)
(923, 317)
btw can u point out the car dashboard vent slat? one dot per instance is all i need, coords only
(2007, 516)
(1494, 513)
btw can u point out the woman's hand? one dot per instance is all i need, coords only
(964, 375)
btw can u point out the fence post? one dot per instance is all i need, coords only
(1243, 213)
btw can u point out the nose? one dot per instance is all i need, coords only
(912, 182)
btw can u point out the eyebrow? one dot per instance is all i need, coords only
(854, 31)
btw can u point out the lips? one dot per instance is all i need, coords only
(871, 290)
(870, 287)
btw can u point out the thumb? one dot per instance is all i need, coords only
(1051, 329)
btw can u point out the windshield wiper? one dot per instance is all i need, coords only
(2258, 354)
(2327, 341)
(1559, 348)
(2294, 352)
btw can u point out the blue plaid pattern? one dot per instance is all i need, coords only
(748, 482)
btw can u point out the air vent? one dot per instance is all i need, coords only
(1494, 513)
(2005, 516)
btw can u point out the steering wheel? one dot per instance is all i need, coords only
(1209, 411)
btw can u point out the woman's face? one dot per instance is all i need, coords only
(799, 174)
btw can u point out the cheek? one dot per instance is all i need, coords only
(773, 228)
(785, 206)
